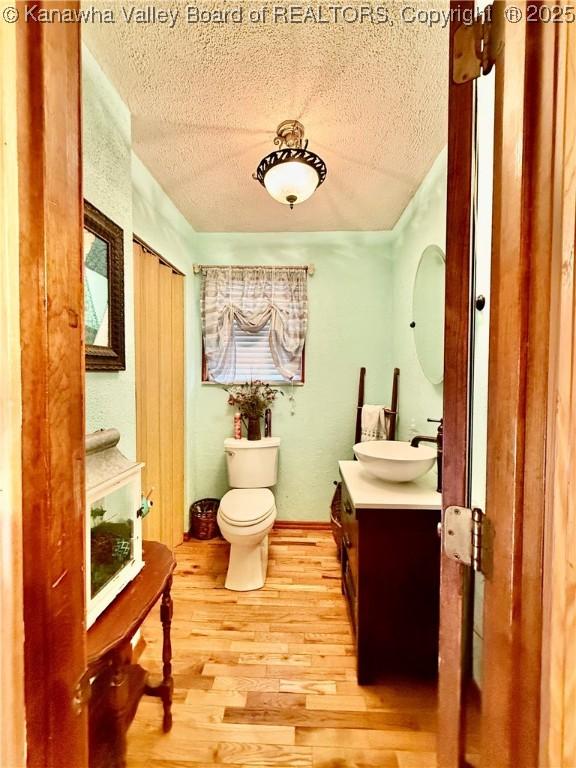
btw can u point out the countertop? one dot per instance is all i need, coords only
(368, 492)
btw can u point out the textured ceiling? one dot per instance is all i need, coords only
(206, 100)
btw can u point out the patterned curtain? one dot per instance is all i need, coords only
(251, 298)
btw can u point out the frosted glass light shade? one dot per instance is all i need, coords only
(291, 182)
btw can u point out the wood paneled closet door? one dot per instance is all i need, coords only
(159, 314)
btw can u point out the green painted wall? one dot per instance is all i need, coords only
(118, 183)
(107, 184)
(349, 326)
(360, 299)
(360, 313)
(423, 223)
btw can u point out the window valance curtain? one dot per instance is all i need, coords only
(251, 298)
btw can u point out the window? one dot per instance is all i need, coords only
(254, 323)
(254, 359)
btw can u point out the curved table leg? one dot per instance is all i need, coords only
(119, 703)
(164, 689)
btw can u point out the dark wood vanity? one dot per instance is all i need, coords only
(391, 573)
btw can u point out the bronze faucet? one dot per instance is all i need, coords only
(439, 439)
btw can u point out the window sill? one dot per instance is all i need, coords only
(239, 384)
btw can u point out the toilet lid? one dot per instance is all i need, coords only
(247, 506)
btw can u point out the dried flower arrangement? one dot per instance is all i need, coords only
(251, 399)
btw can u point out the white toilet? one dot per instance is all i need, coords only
(247, 512)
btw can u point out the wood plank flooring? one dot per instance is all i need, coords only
(268, 678)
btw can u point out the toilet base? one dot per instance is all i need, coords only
(248, 566)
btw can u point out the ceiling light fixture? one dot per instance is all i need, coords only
(291, 173)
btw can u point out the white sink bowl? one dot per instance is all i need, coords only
(395, 461)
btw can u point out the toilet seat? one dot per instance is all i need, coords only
(243, 507)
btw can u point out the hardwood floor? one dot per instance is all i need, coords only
(267, 678)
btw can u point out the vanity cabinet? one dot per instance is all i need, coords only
(391, 573)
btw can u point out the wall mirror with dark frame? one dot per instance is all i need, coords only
(103, 291)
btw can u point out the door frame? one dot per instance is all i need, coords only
(524, 255)
(455, 578)
(13, 739)
(53, 425)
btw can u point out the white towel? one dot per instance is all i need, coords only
(373, 423)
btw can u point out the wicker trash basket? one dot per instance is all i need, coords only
(203, 524)
(335, 517)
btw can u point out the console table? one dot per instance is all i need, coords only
(118, 684)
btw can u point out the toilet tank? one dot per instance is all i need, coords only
(252, 463)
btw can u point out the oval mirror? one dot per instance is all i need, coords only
(428, 313)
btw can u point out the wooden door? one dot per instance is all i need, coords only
(528, 89)
(52, 365)
(558, 706)
(159, 311)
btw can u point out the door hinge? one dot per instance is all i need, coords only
(478, 44)
(82, 692)
(463, 530)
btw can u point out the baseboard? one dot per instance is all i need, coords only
(311, 525)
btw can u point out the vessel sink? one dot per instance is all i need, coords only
(394, 460)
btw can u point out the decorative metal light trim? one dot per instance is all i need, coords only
(290, 155)
(291, 134)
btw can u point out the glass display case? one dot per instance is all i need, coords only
(114, 508)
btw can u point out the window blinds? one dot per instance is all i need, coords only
(254, 358)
